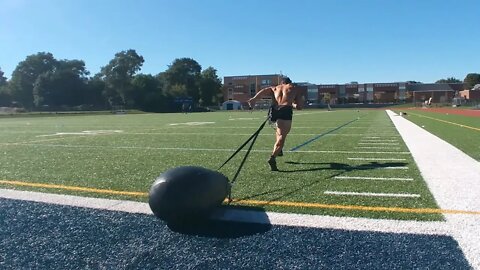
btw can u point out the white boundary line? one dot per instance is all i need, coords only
(300, 220)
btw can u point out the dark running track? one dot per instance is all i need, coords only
(43, 236)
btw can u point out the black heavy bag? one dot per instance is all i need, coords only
(187, 193)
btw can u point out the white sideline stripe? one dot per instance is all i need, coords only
(379, 159)
(374, 178)
(452, 177)
(299, 220)
(369, 194)
(195, 149)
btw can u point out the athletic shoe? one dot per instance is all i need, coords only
(273, 164)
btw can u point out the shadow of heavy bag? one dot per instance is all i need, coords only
(187, 193)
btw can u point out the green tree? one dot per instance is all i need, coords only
(94, 93)
(5, 96)
(65, 85)
(471, 80)
(210, 87)
(118, 75)
(147, 93)
(3, 79)
(182, 78)
(25, 75)
(449, 80)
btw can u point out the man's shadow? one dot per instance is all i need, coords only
(334, 166)
(342, 166)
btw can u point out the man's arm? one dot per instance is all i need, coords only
(298, 102)
(260, 93)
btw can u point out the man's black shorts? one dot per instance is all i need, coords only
(280, 112)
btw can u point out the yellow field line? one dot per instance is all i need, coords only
(256, 202)
(72, 188)
(358, 207)
(448, 122)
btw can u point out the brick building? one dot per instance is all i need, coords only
(242, 88)
(470, 95)
(439, 92)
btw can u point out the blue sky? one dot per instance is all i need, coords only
(319, 41)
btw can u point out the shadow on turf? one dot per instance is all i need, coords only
(342, 166)
(330, 166)
(213, 228)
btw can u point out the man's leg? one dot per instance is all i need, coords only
(283, 128)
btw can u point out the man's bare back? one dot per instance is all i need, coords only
(284, 94)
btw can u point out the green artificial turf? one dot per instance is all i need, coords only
(128, 152)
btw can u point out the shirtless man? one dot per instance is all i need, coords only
(286, 98)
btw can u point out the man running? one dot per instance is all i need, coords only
(286, 98)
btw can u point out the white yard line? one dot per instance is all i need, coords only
(305, 113)
(373, 140)
(377, 147)
(378, 143)
(453, 178)
(371, 194)
(376, 159)
(373, 178)
(302, 220)
(382, 137)
(388, 168)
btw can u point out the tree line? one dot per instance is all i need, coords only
(42, 82)
(469, 82)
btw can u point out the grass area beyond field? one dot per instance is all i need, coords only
(356, 158)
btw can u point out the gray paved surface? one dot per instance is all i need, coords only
(44, 236)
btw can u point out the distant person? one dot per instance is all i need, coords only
(286, 98)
